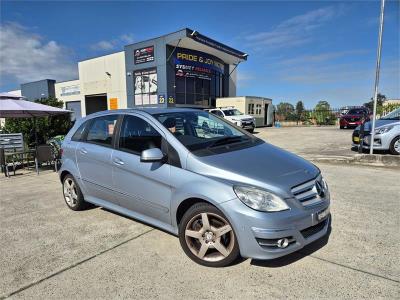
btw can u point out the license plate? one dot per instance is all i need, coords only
(356, 139)
(323, 214)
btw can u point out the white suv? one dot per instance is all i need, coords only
(236, 117)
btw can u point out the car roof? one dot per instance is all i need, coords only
(149, 110)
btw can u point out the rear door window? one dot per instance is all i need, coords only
(101, 130)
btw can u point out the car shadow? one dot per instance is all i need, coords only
(136, 220)
(274, 263)
(295, 256)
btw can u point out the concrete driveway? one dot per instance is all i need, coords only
(310, 142)
(49, 251)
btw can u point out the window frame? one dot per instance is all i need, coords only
(118, 133)
(83, 135)
(90, 123)
(173, 157)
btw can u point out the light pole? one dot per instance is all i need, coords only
(378, 66)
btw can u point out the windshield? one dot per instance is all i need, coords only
(356, 111)
(232, 112)
(204, 133)
(394, 115)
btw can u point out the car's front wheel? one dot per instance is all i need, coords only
(207, 237)
(395, 146)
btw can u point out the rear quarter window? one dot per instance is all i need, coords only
(79, 133)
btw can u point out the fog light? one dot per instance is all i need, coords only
(282, 243)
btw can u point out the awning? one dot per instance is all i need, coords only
(192, 39)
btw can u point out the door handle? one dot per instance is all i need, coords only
(118, 161)
(83, 150)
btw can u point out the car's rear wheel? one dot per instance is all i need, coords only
(207, 237)
(395, 146)
(72, 194)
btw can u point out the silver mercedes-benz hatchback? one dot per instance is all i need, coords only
(223, 191)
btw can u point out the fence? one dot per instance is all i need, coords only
(309, 117)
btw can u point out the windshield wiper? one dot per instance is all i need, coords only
(227, 140)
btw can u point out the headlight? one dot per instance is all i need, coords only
(259, 199)
(383, 129)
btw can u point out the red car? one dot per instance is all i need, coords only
(354, 117)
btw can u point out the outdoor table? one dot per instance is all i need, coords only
(24, 154)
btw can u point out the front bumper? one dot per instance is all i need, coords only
(381, 141)
(247, 125)
(257, 231)
(349, 124)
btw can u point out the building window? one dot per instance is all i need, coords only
(192, 90)
(251, 109)
(258, 109)
(145, 82)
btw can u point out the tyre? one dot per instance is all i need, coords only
(341, 127)
(251, 130)
(207, 237)
(395, 146)
(72, 194)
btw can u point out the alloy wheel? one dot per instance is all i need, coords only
(396, 146)
(70, 192)
(209, 237)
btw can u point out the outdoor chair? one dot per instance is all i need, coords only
(4, 164)
(44, 154)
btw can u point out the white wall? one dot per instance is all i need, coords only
(232, 81)
(68, 91)
(94, 79)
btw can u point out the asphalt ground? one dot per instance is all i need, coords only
(48, 251)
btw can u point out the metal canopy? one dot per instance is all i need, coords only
(196, 41)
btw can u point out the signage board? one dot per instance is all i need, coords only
(143, 55)
(191, 63)
(113, 103)
(145, 84)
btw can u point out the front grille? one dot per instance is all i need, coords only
(355, 119)
(313, 229)
(307, 192)
(247, 120)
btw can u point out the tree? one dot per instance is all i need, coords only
(46, 127)
(285, 110)
(323, 113)
(379, 103)
(300, 111)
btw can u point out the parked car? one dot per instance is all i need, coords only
(223, 191)
(236, 117)
(387, 133)
(354, 117)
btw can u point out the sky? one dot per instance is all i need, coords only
(298, 50)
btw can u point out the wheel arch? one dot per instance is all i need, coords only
(187, 204)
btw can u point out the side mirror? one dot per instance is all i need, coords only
(152, 155)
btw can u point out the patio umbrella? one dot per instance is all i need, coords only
(16, 108)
